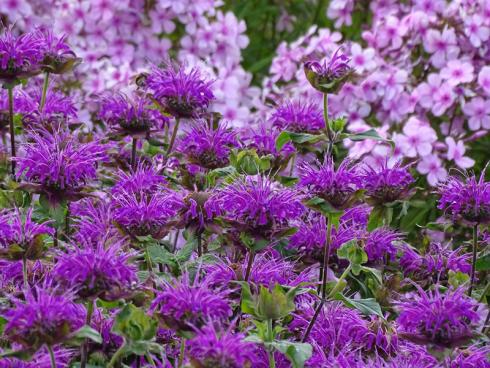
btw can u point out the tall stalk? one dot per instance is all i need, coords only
(473, 262)
(174, 135)
(133, 153)
(251, 256)
(10, 90)
(24, 273)
(84, 348)
(45, 91)
(52, 358)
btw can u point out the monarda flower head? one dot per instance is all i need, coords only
(58, 164)
(434, 265)
(184, 305)
(466, 199)
(263, 140)
(57, 113)
(380, 244)
(207, 147)
(20, 236)
(20, 57)
(211, 348)
(258, 206)
(41, 359)
(96, 271)
(335, 186)
(447, 319)
(43, 317)
(131, 115)
(58, 58)
(330, 76)
(143, 179)
(471, 357)
(182, 93)
(298, 117)
(387, 184)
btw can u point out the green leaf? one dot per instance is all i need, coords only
(483, 263)
(86, 332)
(299, 138)
(375, 218)
(288, 181)
(297, 353)
(159, 254)
(134, 324)
(369, 134)
(322, 206)
(456, 279)
(366, 306)
(352, 252)
(24, 354)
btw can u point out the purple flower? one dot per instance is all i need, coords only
(41, 359)
(447, 319)
(20, 236)
(133, 116)
(435, 264)
(380, 243)
(185, 305)
(96, 271)
(183, 94)
(298, 117)
(212, 348)
(58, 162)
(198, 211)
(336, 186)
(311, 236)
(466, 199)
(11, 278)
(329, 77)
(263, 140)
(19, 56)
(58, 58)
(472, 357)
(44, 317)
(259, 206)
(387, 184)
(208, 147)
(144, 179)
(142, 214)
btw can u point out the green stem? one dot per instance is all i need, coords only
(182, 352)
(339, 281)
(484, 293)
(12, 130)
(473, 263)
(133, 153)
(51, 356)
(199, 243)
(148, 259)
(84, 348)
(150, 359)
(174, 135)
(327, 123)
(67, 221)
(117, 355)
(251, 257)
(270, 334)
(24, 273)
(45, 90)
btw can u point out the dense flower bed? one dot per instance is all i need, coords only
(158, 209)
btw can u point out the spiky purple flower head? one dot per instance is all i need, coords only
(311, 236)
(198, 210)
(58, 162)
(259, 206)
(183, 93)
(466, 199)
(263, 140)
(445, 319)
(41, 359)
(471, 357)
(143, 179)
(44, 316)
(19, 56)
(329, 77)
(20, 236)
(387, 184)
(131, 115)
(206, 146)
(336, 186)
(58, 56)
(57, 112)
(435, 263)
(96, 271)
(299, 117)
(184, 305)
(212, 347)
(11, 274)
(380, 243)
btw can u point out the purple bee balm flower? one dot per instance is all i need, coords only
(182, 93)
(208, 147)
(96, 271)
(380, 243)
(11, 278)
(19, 56)
(329, 77)
(198, 212)
(356, 216)
(387, 184)
(131, 115)
(472, 357)
(144, 179)
(41, 359)
(58, 56)
(57, 163)
(20, 236)
(44, 316)
(447, 319)
(58, 109)
(103, 323)
(466, 199)
(335, 186)
(310, 237)
(299, 117)
(184, 305)
(259, 206)
(263, 140)
(211, 348)
(435, 264)
(142, 214)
